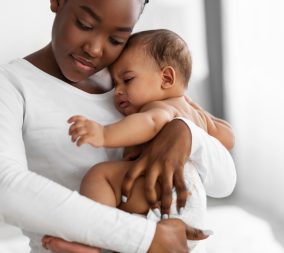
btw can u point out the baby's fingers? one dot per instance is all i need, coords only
(82, 140)
(78, 133)
(76, 118)
(76, 125)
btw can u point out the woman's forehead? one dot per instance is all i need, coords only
(124, 12)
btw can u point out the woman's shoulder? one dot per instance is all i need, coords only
(15, 69)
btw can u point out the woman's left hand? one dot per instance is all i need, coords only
(163, 162)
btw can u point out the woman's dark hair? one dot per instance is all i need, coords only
(166, 48)
(143, 3)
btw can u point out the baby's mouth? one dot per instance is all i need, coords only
(123, 104)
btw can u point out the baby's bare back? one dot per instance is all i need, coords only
(182, 108)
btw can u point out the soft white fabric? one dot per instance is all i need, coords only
(41, 170)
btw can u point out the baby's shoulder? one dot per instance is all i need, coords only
(161, 104)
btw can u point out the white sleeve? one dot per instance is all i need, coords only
(40, 205)
(213, 161)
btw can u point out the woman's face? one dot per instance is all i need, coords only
(88, 35)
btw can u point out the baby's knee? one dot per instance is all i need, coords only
(96, 174)
(98, 171)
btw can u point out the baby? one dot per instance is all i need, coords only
(150, 79)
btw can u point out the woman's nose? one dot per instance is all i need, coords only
(94, 48)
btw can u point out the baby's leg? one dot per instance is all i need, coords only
(99, 183)
(103, 184)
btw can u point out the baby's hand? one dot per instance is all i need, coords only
(85, 131)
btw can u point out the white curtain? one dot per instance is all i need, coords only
(254, 82)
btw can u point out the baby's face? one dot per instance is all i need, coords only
(137, 80)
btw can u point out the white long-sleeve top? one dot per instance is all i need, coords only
(41, 169)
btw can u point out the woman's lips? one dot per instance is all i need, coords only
(83, 64)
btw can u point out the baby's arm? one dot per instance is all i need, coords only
(134, 129)
(218, 128)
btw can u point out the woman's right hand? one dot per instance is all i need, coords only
(171, 237)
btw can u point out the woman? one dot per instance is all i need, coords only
(39, 165)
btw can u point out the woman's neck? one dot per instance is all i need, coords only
(45, 61)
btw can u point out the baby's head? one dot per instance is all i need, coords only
(154, 65)
(167, 49)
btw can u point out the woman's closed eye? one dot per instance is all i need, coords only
(116, 42)
(83, 25)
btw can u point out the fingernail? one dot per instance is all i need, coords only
(165, 216)
(157, 212)
(181, 210)
(208, 232)
(123, 199)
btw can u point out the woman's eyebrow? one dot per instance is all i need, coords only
(99, 19)
(124, 29)
(91, 13)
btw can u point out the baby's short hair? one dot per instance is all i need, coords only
(166, 48)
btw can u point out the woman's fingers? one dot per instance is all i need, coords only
(167, 187)
(132, 153)
(197, 234)
(181, 190)
(151, 195)
(130, 178)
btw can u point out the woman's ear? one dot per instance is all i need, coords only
(55, 5)
(168, 77)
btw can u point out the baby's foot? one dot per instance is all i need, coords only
(58, 245)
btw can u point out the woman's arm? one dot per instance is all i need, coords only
(164, 159)
(40, 205)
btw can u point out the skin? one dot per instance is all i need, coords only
(134, 75)
(83, 42)
(87, 36)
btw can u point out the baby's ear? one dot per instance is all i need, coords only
(168, 77)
